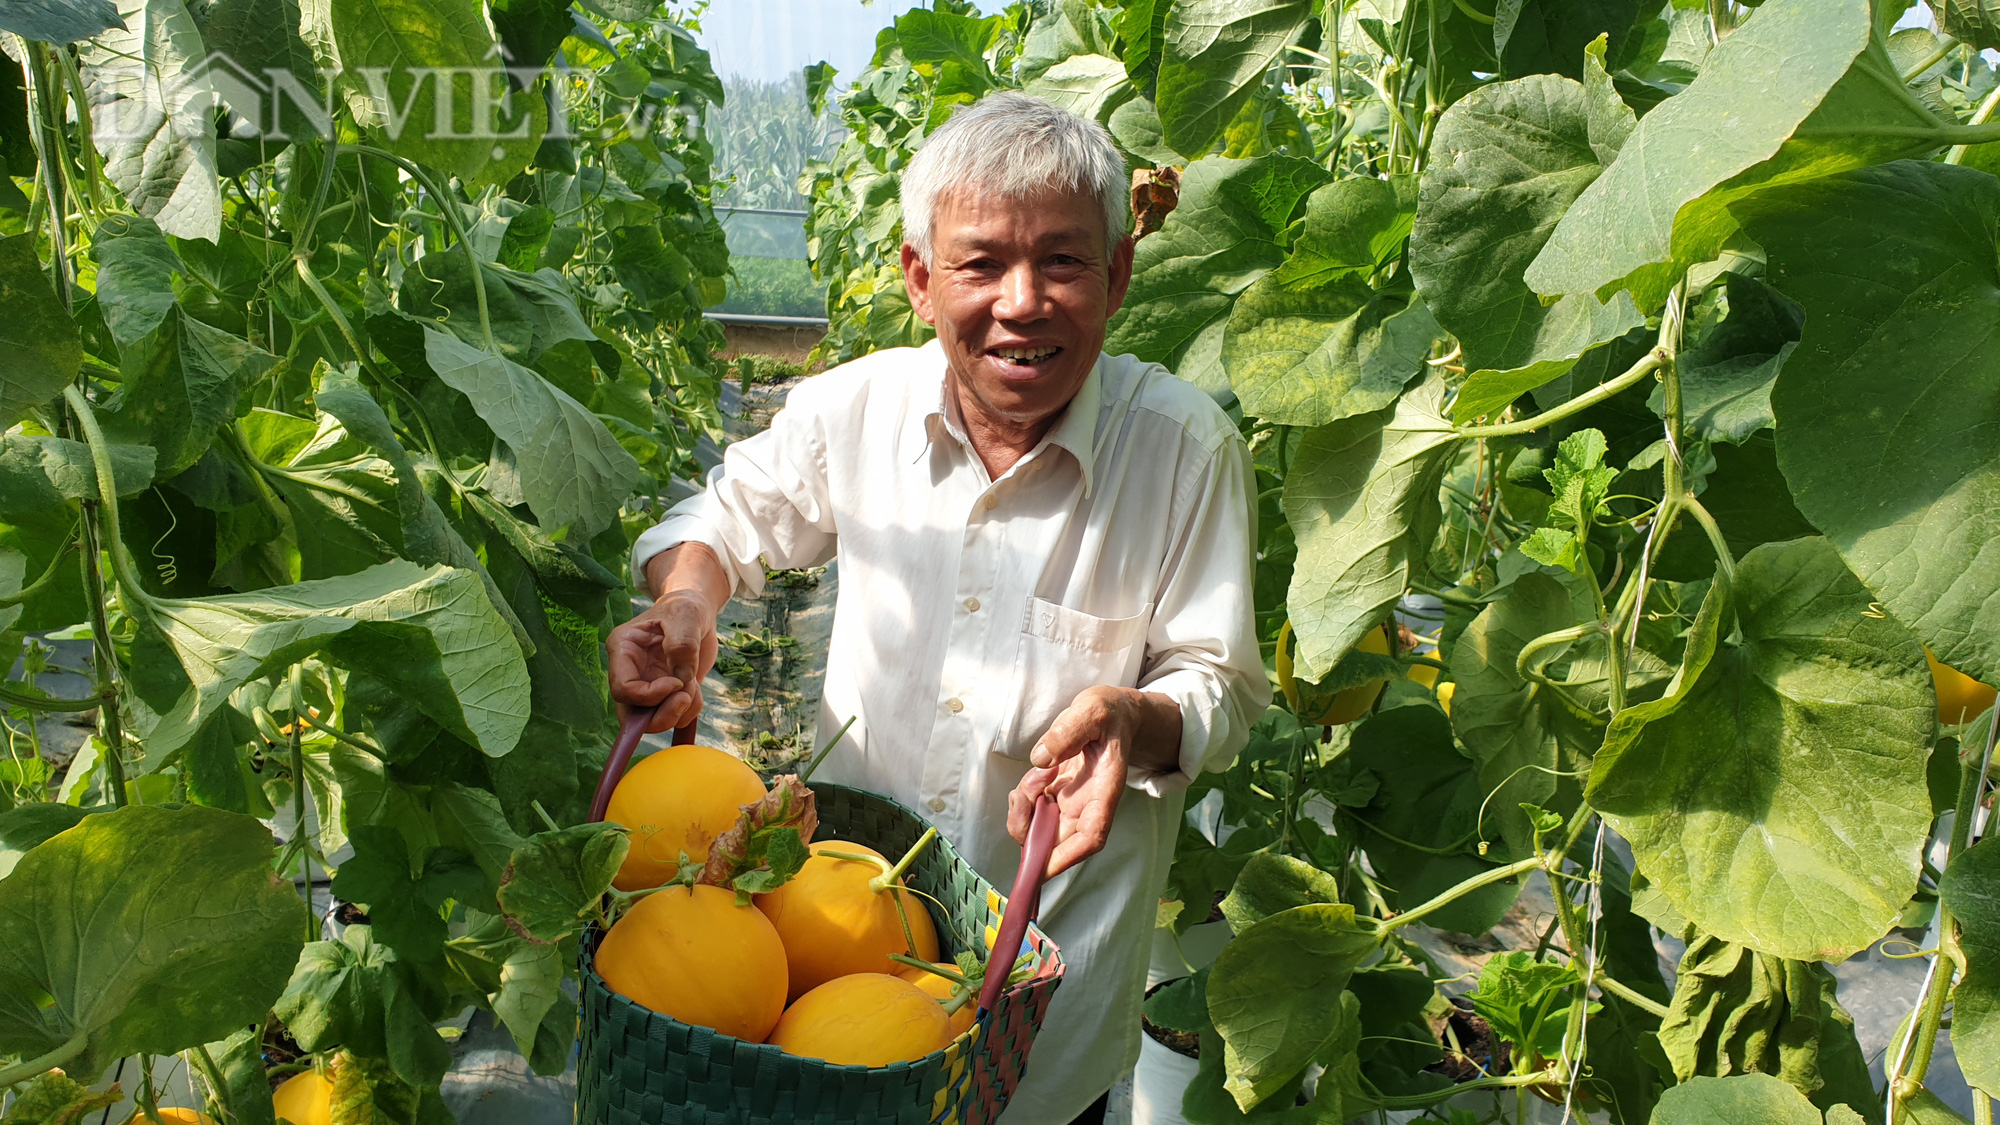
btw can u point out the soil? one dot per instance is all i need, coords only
(1478, 1053)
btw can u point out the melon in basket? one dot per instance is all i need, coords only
(693, 954)
(833, 924)
(677, 800)
(864, 1019)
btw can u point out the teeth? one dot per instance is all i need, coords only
(1025, 355)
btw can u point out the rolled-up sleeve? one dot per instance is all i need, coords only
(1201, 648)
(766, 503)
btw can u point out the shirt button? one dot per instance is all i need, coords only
(992, 502)
(972, 605)
(954, 704)
(937, 804)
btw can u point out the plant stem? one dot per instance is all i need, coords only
(1979, 117)
(1626, 993)
(48, 575)
(893, 875)
(1492, 1082)
(38, 703)
(104, 663)
(21, 1072)
(1638, 371)
(1946, 45)
(1497, 875)
(1724, 561)
(827, 749)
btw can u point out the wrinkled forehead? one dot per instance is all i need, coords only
(1050, 217)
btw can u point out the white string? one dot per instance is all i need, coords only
(1589, 972)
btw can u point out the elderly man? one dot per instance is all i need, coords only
(1045, 563)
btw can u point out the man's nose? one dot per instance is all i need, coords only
(1023, 295)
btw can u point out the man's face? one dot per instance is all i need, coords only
(1019, 291)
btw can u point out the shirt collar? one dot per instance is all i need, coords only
(1075, 431)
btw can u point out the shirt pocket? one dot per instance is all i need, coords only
(1063, 651)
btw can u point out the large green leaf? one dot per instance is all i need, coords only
(1971, 890)
(430, 633)
(1274, 993)
(1743, 1099)
(1976, 22)
(1272, 882)
(37, 474)
(940, 36)
(151, 104)
(37, 336)
(145, 929)
(1306, 359)
(1801, 76)
(1089, 86)
(1361, 498)
(1222, 237)
(58, 21)
(1537, 36)
(394, 54)
(1509, 160)
(1728, 371)
(1213, 53)
(570, 470)
(183, 381)
(1782, 803)
(135, 277)
(1351, 227)
(1898, 268)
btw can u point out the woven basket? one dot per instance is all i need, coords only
(639, 1067)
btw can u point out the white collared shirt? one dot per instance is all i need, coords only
(971, 611)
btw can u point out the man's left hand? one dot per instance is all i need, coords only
(1081, 763)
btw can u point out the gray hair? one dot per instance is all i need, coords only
(1016, 145)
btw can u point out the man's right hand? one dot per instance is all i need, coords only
(659, 657)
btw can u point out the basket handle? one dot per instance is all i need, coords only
(1023, 903)
(630, 729)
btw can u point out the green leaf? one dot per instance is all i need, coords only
(1727, 373)
(1898, 266)
(1213, 53)
(1782, 803)
(1516, 730)
(1737, 1011)
(1271, 882)
(530, 990)
(431, 633)
(58, 21)
(941, 36)
(1798, 76)
(1274, 994)
(41, 342)
(1309, 358)
(572, 472)
(135, 277)
(1352, 226)
(151, 104)
(187, 935)
(38, 474)
(402, 903)
(472, 821)
(26, 827)
(1971, 891)
(355, 993)
(1511, 158)
(1749, 1099)
(1182, 1005)
(1580, 482)
(1976, 22)
(1421, 825)
(1090, 86)
(554, 879)
(1361, 498)
(1526, 1001)
(1225, 233)
(1135, 125)
(182, 383)
(393, 54)
(54, 1098)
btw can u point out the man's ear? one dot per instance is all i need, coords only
(917, 281)
(1121, 274)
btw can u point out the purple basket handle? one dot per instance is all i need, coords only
(1023, 903)
(630, 729)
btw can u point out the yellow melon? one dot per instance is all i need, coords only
(170, 1116)
(1445, 692)
(1960, 698)
(693, 954)
(678, 800)
(940, 989)
(863, 1019)
(304, 1099)
(833, 925)
(1353, 703)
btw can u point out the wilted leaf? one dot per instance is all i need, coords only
(551, 885)
(755, 855)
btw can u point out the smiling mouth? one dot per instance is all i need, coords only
(1026, 357)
